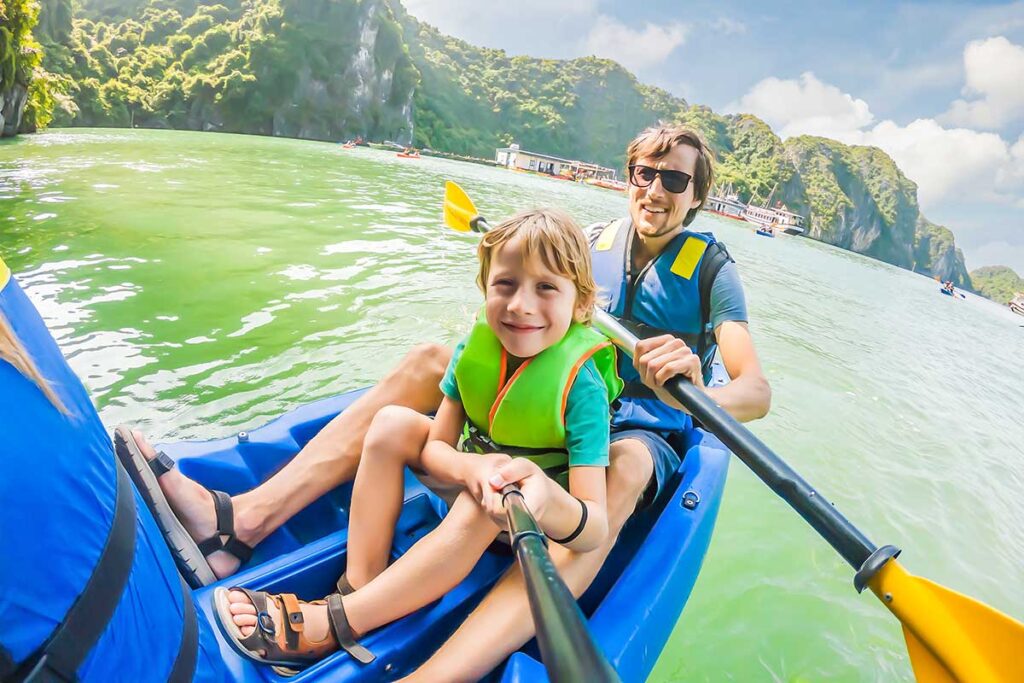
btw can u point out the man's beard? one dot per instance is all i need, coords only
(658, 233)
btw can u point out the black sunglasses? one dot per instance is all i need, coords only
(675, 182)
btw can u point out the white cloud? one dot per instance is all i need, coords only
(727, 26)
(806, 106)
(635, 49)
(994, 73)
(948, 164)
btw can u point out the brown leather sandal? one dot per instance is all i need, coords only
(286, 644)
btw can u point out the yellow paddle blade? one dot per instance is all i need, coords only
(458, 208)
(950, 637)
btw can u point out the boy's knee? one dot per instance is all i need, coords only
(394, 424)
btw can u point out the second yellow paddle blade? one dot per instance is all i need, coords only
(950, 637)
(458, 208)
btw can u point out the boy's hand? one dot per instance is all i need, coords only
(532, 482)
(477, 471)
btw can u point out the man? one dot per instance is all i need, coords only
(651, 266)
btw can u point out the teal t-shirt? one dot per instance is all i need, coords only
(586, 413)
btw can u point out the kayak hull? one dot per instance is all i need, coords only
(633, 605)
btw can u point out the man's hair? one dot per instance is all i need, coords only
(659, 140)
(553, 237)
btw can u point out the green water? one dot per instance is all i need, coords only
(204, 283)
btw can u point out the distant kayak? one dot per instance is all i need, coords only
(407, 156)
(946, 291)
(765, 232)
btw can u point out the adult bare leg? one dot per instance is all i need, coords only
(502, 622)
(329, 459)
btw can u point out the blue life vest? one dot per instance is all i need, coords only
(670, 295)
(85, 575)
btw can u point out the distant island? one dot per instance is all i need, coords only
(338, 69)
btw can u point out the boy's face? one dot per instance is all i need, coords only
(528, 306)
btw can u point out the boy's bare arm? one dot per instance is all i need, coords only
(439, 457)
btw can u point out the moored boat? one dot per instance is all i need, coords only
(607, 184)
(1017, 303)
(778, 216)
(725, 202)
(632, 606)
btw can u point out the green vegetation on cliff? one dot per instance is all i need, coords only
(26, 90)
(333, 69)
(998, 283)
(324, 70)
(472, 100)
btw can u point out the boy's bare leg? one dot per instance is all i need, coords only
(502, 622)
(328, 460)
(431, 568)
(394, 441)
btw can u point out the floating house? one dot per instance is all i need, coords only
(516, 158)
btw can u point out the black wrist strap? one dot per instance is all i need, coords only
(579, 528)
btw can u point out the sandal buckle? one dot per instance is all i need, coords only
(266, 623)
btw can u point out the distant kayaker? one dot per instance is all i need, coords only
(556, 377)
(677, 285)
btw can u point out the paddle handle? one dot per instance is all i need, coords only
(568, 651)
(770, 468)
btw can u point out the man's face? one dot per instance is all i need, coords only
(655, 211)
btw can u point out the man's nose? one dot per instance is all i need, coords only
(655, 188)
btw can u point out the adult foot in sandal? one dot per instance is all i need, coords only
(195, 509)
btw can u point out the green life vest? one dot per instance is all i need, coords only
(525, 415)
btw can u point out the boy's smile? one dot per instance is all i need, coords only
(528, 306)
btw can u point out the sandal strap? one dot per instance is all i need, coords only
(293, 620)
(224, 538)
(343, 585)
(343, 631)
(161, 464)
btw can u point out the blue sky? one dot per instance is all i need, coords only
(939, 86)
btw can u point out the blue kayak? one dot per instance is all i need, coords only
(68, 491)
(632, 606)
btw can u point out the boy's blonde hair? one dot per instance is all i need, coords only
(553, 237)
